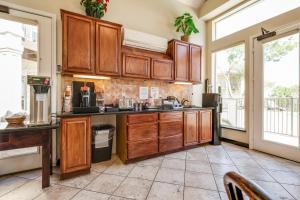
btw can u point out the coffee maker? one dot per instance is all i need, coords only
(40, 100)
(84, 97)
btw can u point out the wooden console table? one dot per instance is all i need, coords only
(15, 137)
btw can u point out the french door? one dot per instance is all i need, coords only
(276, 95)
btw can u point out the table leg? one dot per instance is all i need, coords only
(46, 161)
(51, 156)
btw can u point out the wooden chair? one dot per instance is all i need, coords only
(239, 188)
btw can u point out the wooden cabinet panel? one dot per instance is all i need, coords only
(136, 66)
(195, 63)
(170, 143)
(181, 61)
(108, 49)
(171, 116)
(142, 148)
(205, 126)
(170, 128)
(190, 128)
(162, 69)
(75, 144)
(142, 118)
(78, 44)
(138, 132)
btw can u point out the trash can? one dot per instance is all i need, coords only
(102, 141)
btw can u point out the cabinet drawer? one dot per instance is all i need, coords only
(142, 118)
(170, 128)
(170, 143)
(143, 148)
(171, 116)
(138, 132)
(4, 140)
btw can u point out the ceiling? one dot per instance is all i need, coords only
(193, 3)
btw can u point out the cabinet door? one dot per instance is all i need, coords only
(142, 148)
(181, 61)
(75, 144)
(136, 66)
(108, 49)
(195, 63)
(162, 69)
(78, 44)
(190, 128)
(205, 126)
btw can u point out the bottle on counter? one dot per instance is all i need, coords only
(67, 105)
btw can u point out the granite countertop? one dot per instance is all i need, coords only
(70, 114)
(5, 127)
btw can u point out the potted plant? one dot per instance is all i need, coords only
(186, 25)
(95, 8)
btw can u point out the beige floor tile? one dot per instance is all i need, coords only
(102, 166)
(220, 159)
(177, 155)
(200, 180)
(220, 183)
(105, 183)
(223, 195)
(275, 190)
(58, 192)
(79, 181)
(293, 190)
(173, 163)
(196, 156)
(144, 172)
(33, 174)
(255, 173)
(134, 188)
(286, 177)
(10, 183)
(198, 166)
(165, 191)
(221, 169)
(28, 191)
(200, 194)
(89, 195)
(198, 150)
(174, 176)
(118, 168)
(152, 162)
(248, 162)
(118, 198)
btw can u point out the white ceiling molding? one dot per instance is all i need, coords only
(193, 3)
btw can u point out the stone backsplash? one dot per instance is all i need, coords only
(117, 87)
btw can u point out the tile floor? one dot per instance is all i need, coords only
(193, 174)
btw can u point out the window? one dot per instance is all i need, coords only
(229, 67)
(247, 15)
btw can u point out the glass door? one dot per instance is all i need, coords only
(276, 95)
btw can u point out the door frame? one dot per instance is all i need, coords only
(280, 31)
(55, 79)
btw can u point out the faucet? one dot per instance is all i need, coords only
(184, 100)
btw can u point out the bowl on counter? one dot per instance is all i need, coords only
(16, 120)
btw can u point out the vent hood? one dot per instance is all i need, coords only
(145, 41)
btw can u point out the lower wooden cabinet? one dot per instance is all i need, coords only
(170, 143)
(75, 139)
(191, 128)
(142, 148)
(205, 126)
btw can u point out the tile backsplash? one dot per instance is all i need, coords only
(117, 87)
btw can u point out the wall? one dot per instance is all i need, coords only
(245, 36)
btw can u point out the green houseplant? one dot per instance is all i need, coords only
(95, 8)
(186, 25)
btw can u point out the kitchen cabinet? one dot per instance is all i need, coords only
(136, 66)
(108, 49)
(170, 131)
(191, 128)
(78, 43)
(187, 61)
(205, 126)
(75, 139)
(90, 46)
(162, 69)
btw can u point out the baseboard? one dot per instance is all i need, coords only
(235, 142)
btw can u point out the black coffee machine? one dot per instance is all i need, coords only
(84, 97)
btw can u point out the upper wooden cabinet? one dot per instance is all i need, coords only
(191, 126)
(75, 145)
(205, 126)
(136, 66)
(108, 51)
(78, 43)
(187, 61)
(90, 46)
(162, 69)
